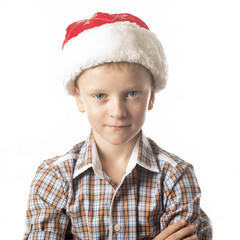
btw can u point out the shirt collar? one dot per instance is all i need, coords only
(142, 155)
(84, 159)
(146, 157)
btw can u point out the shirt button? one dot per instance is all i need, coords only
(118, 193)
(116, 227)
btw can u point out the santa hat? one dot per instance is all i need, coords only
(106, 38)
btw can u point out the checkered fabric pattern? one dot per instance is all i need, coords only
(70, 198)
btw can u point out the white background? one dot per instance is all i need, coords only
(196, 117)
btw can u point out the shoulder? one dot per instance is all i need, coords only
(169, 164)
(61, 167)
(174, 172)
(52, 182)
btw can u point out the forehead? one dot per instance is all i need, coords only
(116, 67)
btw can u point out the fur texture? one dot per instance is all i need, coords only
(115, 42)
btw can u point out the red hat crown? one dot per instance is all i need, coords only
(99, 19)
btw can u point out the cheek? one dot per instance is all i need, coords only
(138, 111)
(94, 114)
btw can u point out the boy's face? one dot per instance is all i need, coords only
(116, 100)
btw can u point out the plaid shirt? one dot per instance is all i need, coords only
(72, 198)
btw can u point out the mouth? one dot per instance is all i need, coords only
(118, 127)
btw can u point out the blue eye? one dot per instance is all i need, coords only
(132, 94)
(99, 96)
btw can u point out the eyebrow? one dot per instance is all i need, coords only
(98, 89)
(91, 90)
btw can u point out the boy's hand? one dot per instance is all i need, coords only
(177, 232)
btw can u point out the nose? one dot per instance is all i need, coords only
(118, 108)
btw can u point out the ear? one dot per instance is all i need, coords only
(79, 101)
(152, 98)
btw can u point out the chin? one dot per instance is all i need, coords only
(118, 141)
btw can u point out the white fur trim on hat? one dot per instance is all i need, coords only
(115, 42)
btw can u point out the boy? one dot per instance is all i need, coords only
(117, 184)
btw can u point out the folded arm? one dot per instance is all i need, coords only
(182, 201)
(46, 218)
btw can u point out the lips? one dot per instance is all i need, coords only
(118, 127)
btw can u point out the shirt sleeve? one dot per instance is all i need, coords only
(182, 200)
(46, 218)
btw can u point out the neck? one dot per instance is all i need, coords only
(114, 153)
(114, 158)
